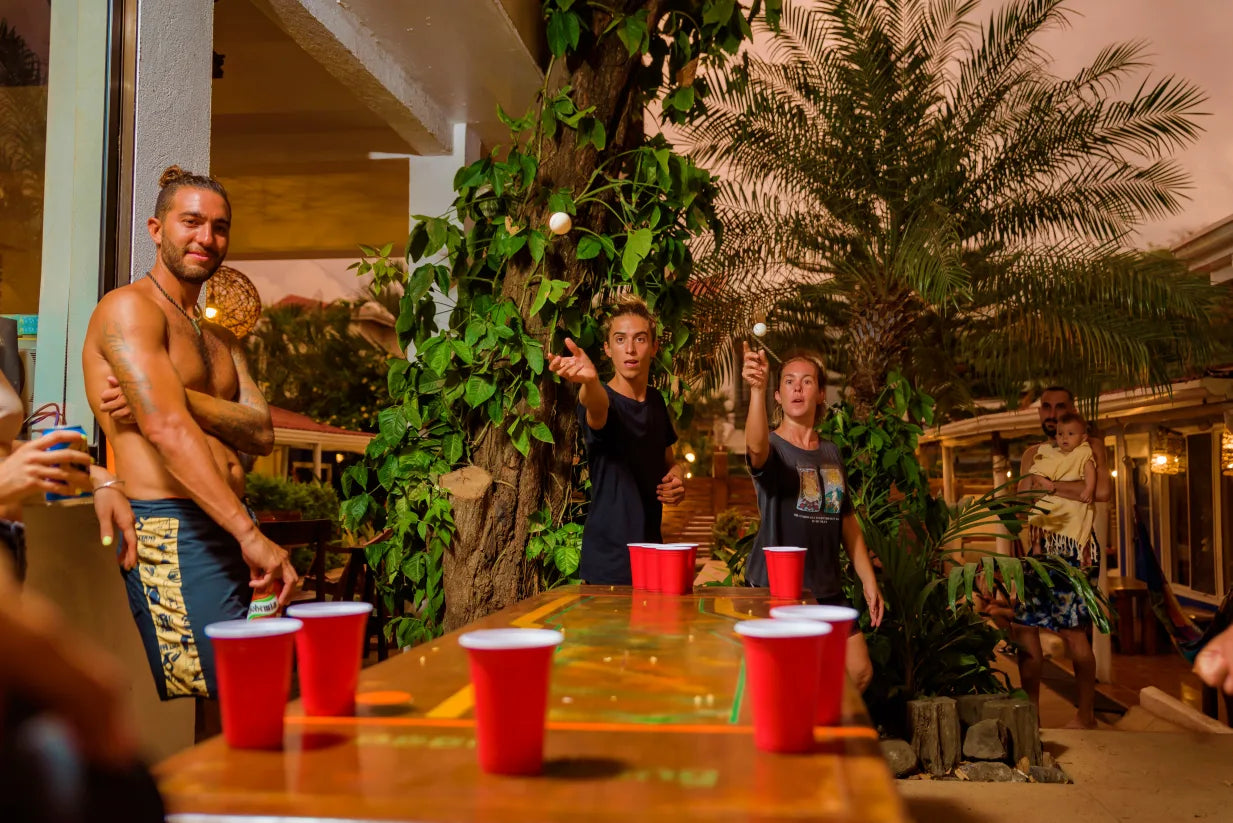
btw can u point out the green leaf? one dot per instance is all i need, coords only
(534, 399)
(637, 247)
(438, 356)
(542, 433)
(591, 131)
(718, 12)
(478, 390)
(536, 242)
(417, 242)
(495, 409)
(452, 447)
(560, 200)
(392, 424)
(632, 31)
(415, 567)
(354, 509)
(588, 247)
(564, 30)
(534, 352)
(419, 283)
(519, 437)
(396, 377)
(464, 352)
(682, 99)
(568, 556)
(541, 295)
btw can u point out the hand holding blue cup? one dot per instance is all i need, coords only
(74, 473)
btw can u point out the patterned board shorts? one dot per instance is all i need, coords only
(1058, 606)
(189, 573)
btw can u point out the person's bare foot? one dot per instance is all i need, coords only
(1076, 723)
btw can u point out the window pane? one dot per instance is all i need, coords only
(24, 40)
(1202, 552)
(1226, 507)
(1179, 526)
(24, 33)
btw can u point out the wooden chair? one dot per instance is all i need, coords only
(354, 580)
(312, 534)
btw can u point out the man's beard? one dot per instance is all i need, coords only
(173, 259)
(1050, 428)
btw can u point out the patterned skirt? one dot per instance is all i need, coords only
(1056, 606)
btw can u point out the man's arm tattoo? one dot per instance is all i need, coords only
(135, 385)
(234, 427)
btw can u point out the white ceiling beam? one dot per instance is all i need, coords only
(353, 54)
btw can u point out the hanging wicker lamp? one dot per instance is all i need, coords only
(232, 301)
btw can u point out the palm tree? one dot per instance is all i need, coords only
(23, 146)
(909, 190)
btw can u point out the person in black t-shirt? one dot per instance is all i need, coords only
(803, 493)
(628, 439)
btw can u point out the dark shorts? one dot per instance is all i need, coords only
(13, 542)
(189, 573)
(1057, 606)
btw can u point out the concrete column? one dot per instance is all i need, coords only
(1123, 488)
(1102, 644)
(431, 191)
(432, 178)
(173, 103)
(73, 201)
(948, 475)
(1001, 471)
(317, 460)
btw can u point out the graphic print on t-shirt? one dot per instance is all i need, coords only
(833, 478)
(810, 497)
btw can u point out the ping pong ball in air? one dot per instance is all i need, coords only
(759, 330)
(560, 223)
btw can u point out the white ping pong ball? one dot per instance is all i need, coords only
(759, 330)
(559, 223)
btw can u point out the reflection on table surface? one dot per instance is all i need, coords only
(648, 716)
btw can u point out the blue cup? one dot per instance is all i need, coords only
(52, 497)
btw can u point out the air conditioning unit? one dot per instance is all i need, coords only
(25, 348)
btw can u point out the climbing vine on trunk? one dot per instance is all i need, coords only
(477, 392)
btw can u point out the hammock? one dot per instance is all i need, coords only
(1187, 637)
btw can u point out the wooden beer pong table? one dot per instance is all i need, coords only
(648, 718)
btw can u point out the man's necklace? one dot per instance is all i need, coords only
(172, 300)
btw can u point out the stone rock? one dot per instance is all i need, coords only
(900, 756)
(986, 772)
(1019, 717)
(970, 707)
(1044, 774)
(936, 737)
(986, 740)
(1018, 776)
(1046, 760)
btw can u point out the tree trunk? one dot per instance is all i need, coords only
(486, 568)
(877, 337)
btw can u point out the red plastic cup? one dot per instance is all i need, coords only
(252, 661)
(676, 567)
(510, 670)
(652, 573)
(785, 566)
(637, 565)
(330, 647)
(782, 663)
(834, 654)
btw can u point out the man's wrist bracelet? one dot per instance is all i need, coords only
(110, 484)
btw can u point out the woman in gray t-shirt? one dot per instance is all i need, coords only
(802, 492)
